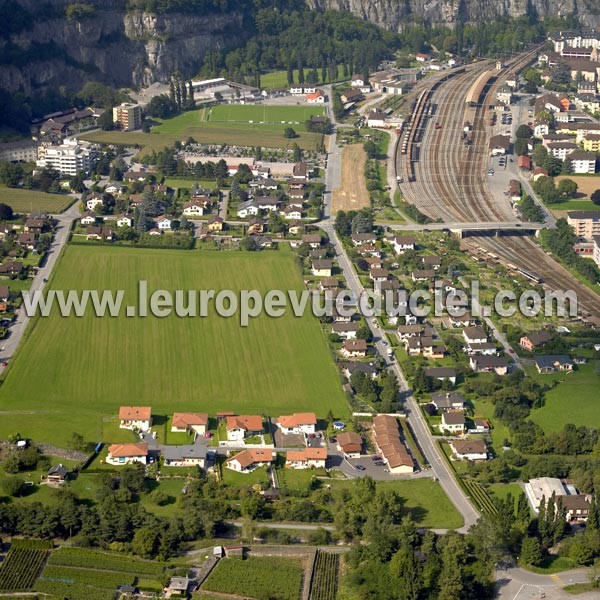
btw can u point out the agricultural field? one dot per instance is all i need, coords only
(353, 194)
(586, 184)
(26, 201)
(260, 578)
(581, 387)
(274, 366)
(324, 584)
(22, 565)
(81, 573)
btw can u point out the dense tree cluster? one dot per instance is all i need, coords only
(560, 242)
(354, 221)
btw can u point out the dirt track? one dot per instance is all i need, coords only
(353, 194)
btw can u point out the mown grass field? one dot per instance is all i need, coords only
(26, 201)
(423, 498)
(278, 79)
(72, 374)
(573, 400)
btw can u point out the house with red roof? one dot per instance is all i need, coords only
(298, 423)
(135, 417)
(242, 426)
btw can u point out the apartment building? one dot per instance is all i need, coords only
(128, 116)
(68, 158)
(586, 223)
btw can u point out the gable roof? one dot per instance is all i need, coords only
(135, 413)
(297, 419)
(454, 418)
(183, 420)
(127, 450)
(252, 455)
(246, 422)
(350, 441)
(469, 446)
(306, 454)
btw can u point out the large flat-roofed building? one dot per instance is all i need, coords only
(128, 116)
(543, 487)
(21, 151)
(586, 223)
(68, 158)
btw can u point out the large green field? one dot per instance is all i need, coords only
(573, 400)
(224, 124)
(26, 201)
(72, 374)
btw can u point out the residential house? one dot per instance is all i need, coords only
(322, 267)
(189, 423)
(350, 444)
(576, 506)
(514, 190)
(329, 283)
(422, 57)
(292, 214)
(408, 331)
(246, 209)
(474, 335)
(298, 423)
(27, 240)
(369, 369)
(504, 95)
(445, 401)
(306, 458)
(164, 223)
(255, 226)
(498, 364)
(551, 363)
(4, 293)
(34, 225)
(11, 267)
(317, 97)
(369, 250)
(346, 331)
(465, 320)
(88, 219)
(474, 450)
(57, 474)
(242, 426)
(535, 340)
(442, 374)
(388, 442)
(378, 275)
(215, 223)
(431, 262)
(189, 455)
(94, 200)
(354, 348)
(423, 275)
(193, 208)
(125, 454)
(135, 417)
(99, 233)
(480, 426)
(453, 421)
(482, 348)
(124, 221)
(248, 460)
(312, 239)
(300, 171)
(358, 239)
(402, 243)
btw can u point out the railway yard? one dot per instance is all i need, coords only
(443, 171)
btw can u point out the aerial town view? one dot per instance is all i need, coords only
(299, 300)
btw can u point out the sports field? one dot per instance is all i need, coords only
(261, 116)
(72, 374)
(26, 201)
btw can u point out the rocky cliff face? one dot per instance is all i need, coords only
(394, 14)
(117, 47)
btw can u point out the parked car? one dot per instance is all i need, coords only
(361, 468)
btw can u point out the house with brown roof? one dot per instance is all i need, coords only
(215, 223)
(386, 434)
(576, 506)
(4, 293)
(322, 267)
(354, 348)
(347, 330)
(298, 423)
(534, 340)
(11, 267)
(125, 454)
(135, 417)
(306, 458)
(475, 450)
(350, 444)
(312, 239)
(189, 422)
(498, 364)
(358, 239)
(248, 460)
(453, 421)
(27, 240)
(442, 374)
(242, 426)
(402, 243)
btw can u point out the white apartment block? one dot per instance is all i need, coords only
(67, 158)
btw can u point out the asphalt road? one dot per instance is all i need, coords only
(424, 438)
(17, 329)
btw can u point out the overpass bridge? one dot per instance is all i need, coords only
(462, 230)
